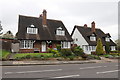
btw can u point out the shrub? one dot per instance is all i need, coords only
(77, 51)
(55, 52)
(28, 57)
(58, 47)
(66, 52)
(107, 48)
(93, 57)
(99, 48)
(71, 57)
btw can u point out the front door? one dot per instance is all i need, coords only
(43, 46)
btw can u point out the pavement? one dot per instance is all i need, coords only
(50, 62)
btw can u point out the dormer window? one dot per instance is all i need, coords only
(107, 39)
(32, 29)
(92, 37)
(60, 31)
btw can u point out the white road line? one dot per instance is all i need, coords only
(69, 76)
(107, 72)
(33, 71)
(93, 67)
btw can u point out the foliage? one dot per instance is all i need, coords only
(99, 48)
(1, 28)
(4, 54)
(66, 52)
(77, 51)
(107, 48)
(118, 44)
(93, 57)
(32, 55)
(8, 34)
(108, 56)
(58, 47)
(55, 52)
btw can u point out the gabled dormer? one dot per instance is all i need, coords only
(107, 38)
(32, 29)
(93, 37)
(60, 31)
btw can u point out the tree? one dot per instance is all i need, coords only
(99, 48)
(118, 44)
(8, 34)
(107, 48)
(1, 28)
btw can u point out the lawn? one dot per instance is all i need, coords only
(32, 54)
(4, 54)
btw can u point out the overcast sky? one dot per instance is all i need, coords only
(71, 12)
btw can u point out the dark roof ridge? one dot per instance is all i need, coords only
(86, 27)
(38, 18)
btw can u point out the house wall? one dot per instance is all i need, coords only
(26, 50)
(80, 41)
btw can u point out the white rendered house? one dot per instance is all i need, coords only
(86, 38)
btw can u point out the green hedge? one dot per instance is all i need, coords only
(32, 55)
(4, 54)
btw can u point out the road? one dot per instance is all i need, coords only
(91, 70)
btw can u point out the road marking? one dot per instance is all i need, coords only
(107, 72)
(67, 76)
(33, 71)
(93, 67)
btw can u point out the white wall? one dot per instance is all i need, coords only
(81, 41)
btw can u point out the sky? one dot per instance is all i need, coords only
(70, 12)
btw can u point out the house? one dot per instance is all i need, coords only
(37, 34)
(86, 37)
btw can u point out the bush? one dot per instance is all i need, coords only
(59, 48)
(93, 57)
(108, 56)
(66, 52)
(77, 51)
(55, 52)
(71, 57)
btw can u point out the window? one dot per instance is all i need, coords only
(26, 44)
(107, 39)
(113, 48)
(92, 37)
(65, 44)
(60, 32)
(32, 29)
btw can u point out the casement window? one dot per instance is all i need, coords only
(60, 31)
(112, 48)
(32, 29)
(26, 44)
(92, 37)
(65, 44)
(107, 39)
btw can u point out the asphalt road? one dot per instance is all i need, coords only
(91, 70)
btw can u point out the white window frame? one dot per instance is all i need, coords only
(112, 48)
(92, 38)
(32, 29)
(65, 44)
(60, 32)
(107, 39)
(26, 44)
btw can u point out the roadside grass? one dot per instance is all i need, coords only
(4, 54)
(32, 55)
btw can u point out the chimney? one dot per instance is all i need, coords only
(40, 16)
(93, 26)
(85, 25)
(44, 17)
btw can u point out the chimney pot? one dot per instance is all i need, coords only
(85, 25)
(93, 26)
